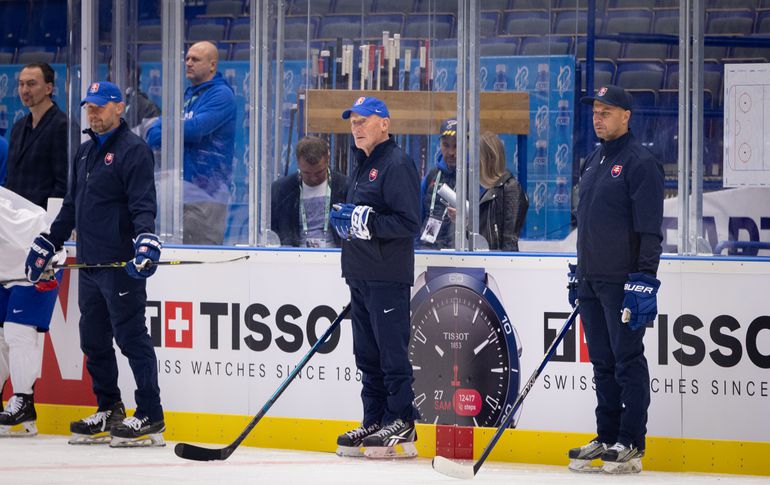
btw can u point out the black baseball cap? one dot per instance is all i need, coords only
(612, 95)
(448, 128)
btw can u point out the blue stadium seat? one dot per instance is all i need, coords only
(545, 46)
(527, 4)
(376, 24)
(763, 22)
(750, 54)
(29, 54)
(48, 25)
(604, 72)
(634, 74)
(712, 78)
(7, 55)
(435, 26)
(352, 6)
(628, 21)
(666, 21)
(632, 4)
(499, 46)
(295, 27)
(444, 48)
(300, 7)
(750, 4)
(212, 29)
(344, 26)
(149, 30)
(644, 50)
(489, 24)
(149, 53)
(526, 22)
(573, 22)
(395, 6)
(13, 24)
(495, 4)
(729, 22)
(232, 8)
(240, 30)
(603, 48)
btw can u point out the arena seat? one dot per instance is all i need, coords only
(733, 22)
(499, 46)
(628, 21)
(545, 46)
(526, 22)
(636, 74)
(352, 6)
(437, 26)
(376, 24)
(212, 29)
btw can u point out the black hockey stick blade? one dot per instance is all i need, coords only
(200, 453)
(122, 264)
(457, 470)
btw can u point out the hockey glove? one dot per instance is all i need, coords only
(640, 304)
(39, 258)
(351, 221)
(572, 284)
(147, 247)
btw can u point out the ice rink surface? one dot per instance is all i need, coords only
(50, 460)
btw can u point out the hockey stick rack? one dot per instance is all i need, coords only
(199, 453)
(457, 470)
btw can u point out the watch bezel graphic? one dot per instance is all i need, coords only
(431, 384)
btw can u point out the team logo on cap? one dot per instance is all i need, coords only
(616, 169)
(359, 101)
(602, 91)
(94, 88)
(372, 175)
(109, 158)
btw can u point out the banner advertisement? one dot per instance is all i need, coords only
(226, 335)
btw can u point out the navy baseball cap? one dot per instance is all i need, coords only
(448, 128)
(102, 93)
(367, 106)
(612, 95)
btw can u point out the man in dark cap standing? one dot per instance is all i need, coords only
(619, 218)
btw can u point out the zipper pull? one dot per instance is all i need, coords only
(601, 161)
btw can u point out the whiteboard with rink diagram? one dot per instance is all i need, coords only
(747, 125)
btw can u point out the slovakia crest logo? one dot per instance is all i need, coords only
(602, 91)
(94, 88)
(109, 158)
(616, 169)
(359, 101)
(372, 175)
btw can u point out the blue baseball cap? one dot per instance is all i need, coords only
(612, 95)
(448, 128)
(367, 107)
(102, 93)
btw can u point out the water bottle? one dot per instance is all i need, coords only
(501, 82)
(541, 158)
(563, 114)
(541, 85)
(561, 195)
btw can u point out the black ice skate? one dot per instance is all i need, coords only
(620, 459)
(135, 431)
(349, 444)
(580, 458)
(95, 429)
(396, 440)
(18, 418)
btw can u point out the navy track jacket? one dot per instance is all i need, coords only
(620, 212)
(111, 198)
(387, 181)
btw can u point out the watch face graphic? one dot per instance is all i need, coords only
(463, 353)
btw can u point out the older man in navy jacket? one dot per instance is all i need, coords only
(111, 202)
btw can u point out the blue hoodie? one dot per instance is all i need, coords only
(445, 237)
(209, 136)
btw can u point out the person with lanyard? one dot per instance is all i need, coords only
(300, 203)
(437, 224)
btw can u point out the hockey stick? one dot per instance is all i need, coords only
(199, 453)
(122, 264)
(457, 470)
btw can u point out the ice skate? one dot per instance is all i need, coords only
(622, 459)
(95, 429)
(580, 458)
(349, 443)
(396, 440)
(134, 432)
(18, 418)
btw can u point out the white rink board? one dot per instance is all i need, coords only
(717, 402)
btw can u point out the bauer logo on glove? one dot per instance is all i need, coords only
(640, 303)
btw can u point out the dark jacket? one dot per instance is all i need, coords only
(445, 237)
(111, 198)
(502, 212)
(37, 162)
(620, 212)
(284, 206)
(387, 181)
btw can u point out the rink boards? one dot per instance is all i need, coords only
(226, 335)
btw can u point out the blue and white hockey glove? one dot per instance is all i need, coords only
(640, 304)
(351, 221)
(572, 284)
(39, 258)
(147, 252)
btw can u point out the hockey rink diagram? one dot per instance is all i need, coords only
(47, 459)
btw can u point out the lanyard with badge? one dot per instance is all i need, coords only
(316, 242)
(433, 224)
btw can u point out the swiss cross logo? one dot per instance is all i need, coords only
(616, 169)
(373, 175)
(109, 158)
(94, 88)
(359, 101)
(178, 324)
(602, 91)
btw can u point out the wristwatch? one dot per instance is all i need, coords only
(463, 348)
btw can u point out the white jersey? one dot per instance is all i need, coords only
(20, 223)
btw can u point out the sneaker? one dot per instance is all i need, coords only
(96, 428)
(395, 440)
(138, 431)
(20, 411)
(349, 443)
(580, 458)
(620, 458)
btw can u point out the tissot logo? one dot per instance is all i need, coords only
(573, 348)
(178, 324)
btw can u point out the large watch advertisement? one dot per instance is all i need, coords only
(463, 349)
